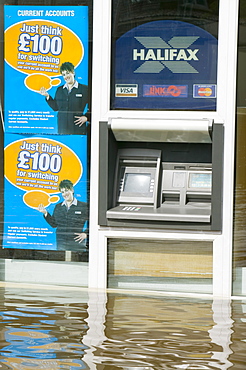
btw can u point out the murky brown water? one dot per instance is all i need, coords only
(80, 329)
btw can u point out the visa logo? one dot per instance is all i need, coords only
(129, 90)
(126, 90)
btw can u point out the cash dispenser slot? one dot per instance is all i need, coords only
(186, 192)
(174, 184)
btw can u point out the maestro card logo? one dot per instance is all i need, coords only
(204, 91)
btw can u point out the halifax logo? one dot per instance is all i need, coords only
(158, 54)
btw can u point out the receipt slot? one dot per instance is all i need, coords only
(174, 180)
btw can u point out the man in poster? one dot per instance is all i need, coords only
(71, 102)
(69, 219)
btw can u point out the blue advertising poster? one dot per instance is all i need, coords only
(165, 65)
(45, 196)
(46, 69)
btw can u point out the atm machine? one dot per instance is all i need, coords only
(168, 177)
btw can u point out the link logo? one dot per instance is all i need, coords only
(165, 91)
(174, 55)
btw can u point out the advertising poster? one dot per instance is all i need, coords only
(46, 54)
(165, 65)
(45, 196)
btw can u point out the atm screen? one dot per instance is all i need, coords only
(136, 185)
(137, 182)
(200, 180)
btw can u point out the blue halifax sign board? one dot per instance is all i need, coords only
(165, 65)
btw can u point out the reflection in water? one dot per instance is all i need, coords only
(42, 330)
(80, 329)
(221, 332)
(95, 334)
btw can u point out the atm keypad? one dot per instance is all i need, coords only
(130, 208)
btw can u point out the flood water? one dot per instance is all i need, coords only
(80, 329)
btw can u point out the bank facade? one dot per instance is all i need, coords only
(149, 130)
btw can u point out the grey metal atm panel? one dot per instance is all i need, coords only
(169, 192)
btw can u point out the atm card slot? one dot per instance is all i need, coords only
(170, 198)
(189, 199)
(198, 198)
